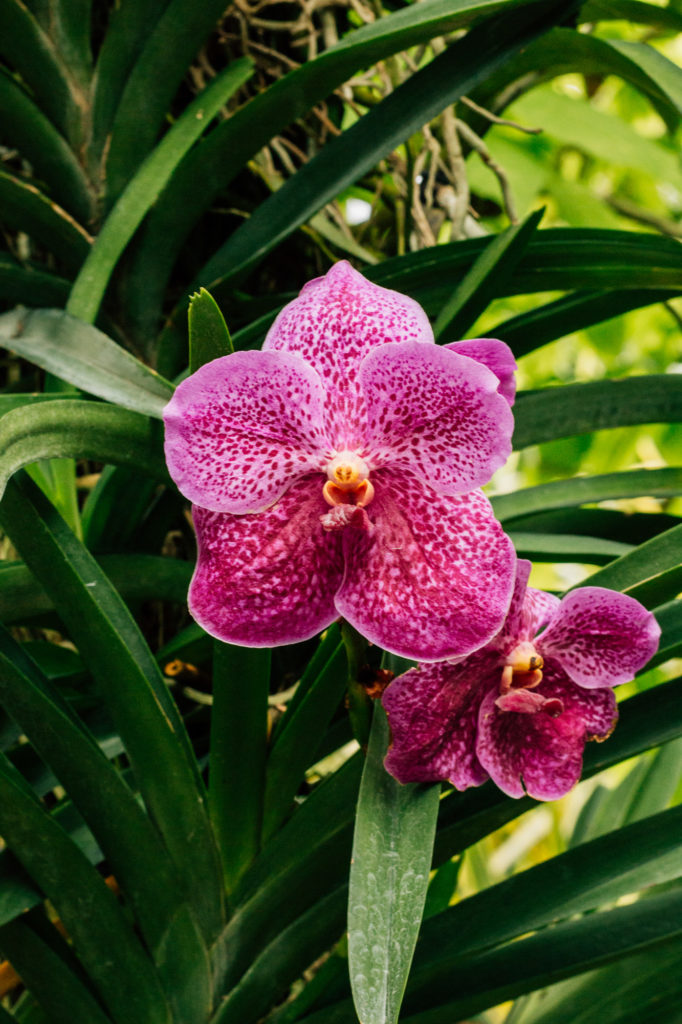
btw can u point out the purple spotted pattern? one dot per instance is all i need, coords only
(421, 567)
(457, 721)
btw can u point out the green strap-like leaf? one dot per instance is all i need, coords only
(341, 162)
(483, 282)
(32, 52)
(80, 429)
(55, 986)
(389, 876)
(106, 944)
(135, 577)
(235, 141)
(655, 483)
(23, 125)
(32, 287)
(552, 413)
(665, 18)
(85, 357)
(144, 189)
(116, 653)
(25, 208)
(209, 337)
(652, 572)
(239, 721)
(557, 259)
(171, 45)
(574, 312)
(566, 547)
(283, 961)
(129, 841)
(297, 740)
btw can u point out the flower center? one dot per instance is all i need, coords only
(522, 668)
(522, 672)
(348, 481)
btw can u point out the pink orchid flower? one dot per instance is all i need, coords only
(335, 474)
(520, 710)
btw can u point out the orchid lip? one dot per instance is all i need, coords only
(348, 480)
(522, 669)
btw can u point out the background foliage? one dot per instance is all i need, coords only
(153, 147)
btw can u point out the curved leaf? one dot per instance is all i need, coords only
(231, 145)
(572, 409)
(389, 875)
(81, 430)
(88, 359)
(23, 125)
(655, 483)
(567, 547)
(342, 161)
(135, 577)
(31, 287)
(651, 572)
(25, 208)
(124, 219)
(106, 944)
(574, 312)
(170, 47)
(113, 648)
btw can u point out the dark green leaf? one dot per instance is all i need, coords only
(32, 287)
(572, 409)
(652, 572)
(124, 219)
(239, 720)
(24, 208)
(235, 141)
(178, 33)
(88, 359)
(23, 125)
(56, 987)
(80, 429)
(485, 279)
(297, 740)
(574, 312)
(567, 547)
(136, 577)
(209, 337)
(655, 483)
(127, 838)
(116, 653)
(341, 162)
(669, 618)
(664, 18)
(107, 946)
(389, 876)
(295, 948)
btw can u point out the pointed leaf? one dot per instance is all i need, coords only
(389, 876)
(86, 358)
(209, 337)
(483, 282)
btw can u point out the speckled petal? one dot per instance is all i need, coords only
(434, 577)
(494, 354)
(436, 413)
(268, 578)
(600, 637)
(432, 711)
(537, 751)
(529, 610)
(242, 428)
(333, 324)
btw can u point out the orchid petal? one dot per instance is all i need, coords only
(432, 711)
(434, 577)
(242, 428)
(538, 751)
(334, 322)
(600, 637)
(494, 354)
(529, 610)
(268, 578)
(435, 413)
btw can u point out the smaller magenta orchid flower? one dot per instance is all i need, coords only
(520, 710)
(335, 473)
